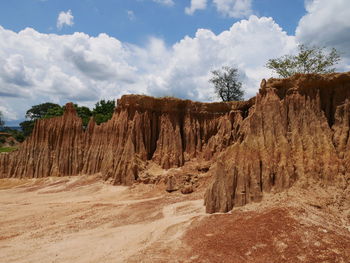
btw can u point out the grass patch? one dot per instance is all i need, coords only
(7, 149)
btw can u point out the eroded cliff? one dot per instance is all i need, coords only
(167, 131)
(295, 129)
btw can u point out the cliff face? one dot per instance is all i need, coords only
(167, 131)
(295, 129)
(53, 149)
(298, 129)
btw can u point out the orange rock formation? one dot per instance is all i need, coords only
(294, 129)
(298, 129)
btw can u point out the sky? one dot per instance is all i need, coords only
(83, 51)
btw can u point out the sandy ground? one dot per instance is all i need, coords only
(299, 225)
(83, 219)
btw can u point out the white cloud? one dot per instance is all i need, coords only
(8, 115)
(131, 14)
(190, 61)
(65, 18)
(196, 5)
(165, 2)
(327, 23)
(36, 68)
(234, 8)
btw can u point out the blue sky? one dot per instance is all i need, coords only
(86, 50)
(169, 22)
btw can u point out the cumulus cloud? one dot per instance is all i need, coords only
(327, 24)
(165, 2)
(14, 71)
(196, 5)
(65, 19)
(191, 60)
(35, 67)
(7, 114)
(234, 8)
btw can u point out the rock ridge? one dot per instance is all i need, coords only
(167, 131)
(295, 130)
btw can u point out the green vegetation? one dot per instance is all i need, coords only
(7, 149)
(17, 134)
(84, 113)
(27, 127)
(227, 85)
(102, 112)
(54, 112)
(39, 111)
(308, 60)
(1, 120)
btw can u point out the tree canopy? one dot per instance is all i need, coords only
(2, 123)
(54, 112)
(102, 112)
(226, 84)
(310, 59)
(27, 127)
(39, 111)
(44, 110)
(17, 134)
(84, 113)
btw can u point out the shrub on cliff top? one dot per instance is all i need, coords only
(308, 60)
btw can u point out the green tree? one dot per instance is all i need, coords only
(36, 112)
(103, 110)
(226, 84)
(54, 112)
(84, 113)
(50, 110)
(310, 59)
(39, 111)
(27, 127)
(2, 123)
(17, 134)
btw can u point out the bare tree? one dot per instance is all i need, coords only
(226, 83)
